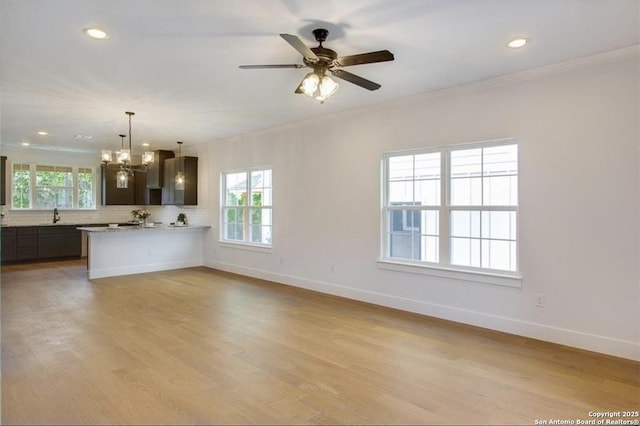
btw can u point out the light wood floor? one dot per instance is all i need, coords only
(202, 346)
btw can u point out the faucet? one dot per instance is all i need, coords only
(56, 215)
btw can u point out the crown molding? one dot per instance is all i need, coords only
(616, 55)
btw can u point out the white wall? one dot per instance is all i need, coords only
(579, 202)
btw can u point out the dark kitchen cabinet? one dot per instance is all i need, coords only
(136, 192)
(9, 247)
(71, 242)
(3, 180)
(26, 243)
(143, 195)
(155, 174)
(188, 196)
(111, 194)
(59, 241)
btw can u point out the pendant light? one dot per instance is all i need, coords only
(122, 157)
(179, 176)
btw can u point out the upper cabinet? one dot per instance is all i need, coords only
(155, 186)
(3, 181)
(188, 196)
(111, 194)
(155, 174)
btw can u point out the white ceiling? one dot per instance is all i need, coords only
(175, 63)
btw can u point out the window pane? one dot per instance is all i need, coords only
(21, 193)
(500, 160)
(466, 191)
(413, 234)
(236, 189)
(261, 188)
(498, 255)
(50, 198)
(428, 192)
(85, 189)
(465, 252)
(430, 222)
(465, 223)
(54, 197)
(427, 166)
(499, 225)
(500, 191)
(260, 226)
(429, 249)
(414, 178)
(401, 168)
(400, 192)
(466, 163)
(234, 223)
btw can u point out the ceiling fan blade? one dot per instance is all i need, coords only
(357, 80)
(365, 58)
(297, 44)
(256, 67)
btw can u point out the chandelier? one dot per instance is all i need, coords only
(124, 159)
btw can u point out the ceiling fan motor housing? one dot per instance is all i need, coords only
(325, 56)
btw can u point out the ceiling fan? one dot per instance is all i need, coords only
(317, 83)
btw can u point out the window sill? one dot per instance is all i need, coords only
(246, 246)
(505, 280)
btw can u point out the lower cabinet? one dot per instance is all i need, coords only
(9, 246)
(25, 243)
(59, 241)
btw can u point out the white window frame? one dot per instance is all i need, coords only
(245, 243)
(443, 268)
(33, 187)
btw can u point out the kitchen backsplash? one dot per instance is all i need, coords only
(105, 214)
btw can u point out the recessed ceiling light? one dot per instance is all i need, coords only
(43, 133)
(96, 33)
(518, 42)
(83, 137)
(25, 143)
(145, 144)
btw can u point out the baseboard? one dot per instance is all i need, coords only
(573, 338)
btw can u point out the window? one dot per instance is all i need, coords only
(453, 207)
(247, 206)
(46, 187)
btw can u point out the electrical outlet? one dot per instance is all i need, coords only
(332, 268)
(540, 300)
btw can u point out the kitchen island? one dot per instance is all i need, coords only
(126, 250)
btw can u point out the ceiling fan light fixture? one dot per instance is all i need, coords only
(318, 87)
(309, 85)
(327, 88)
